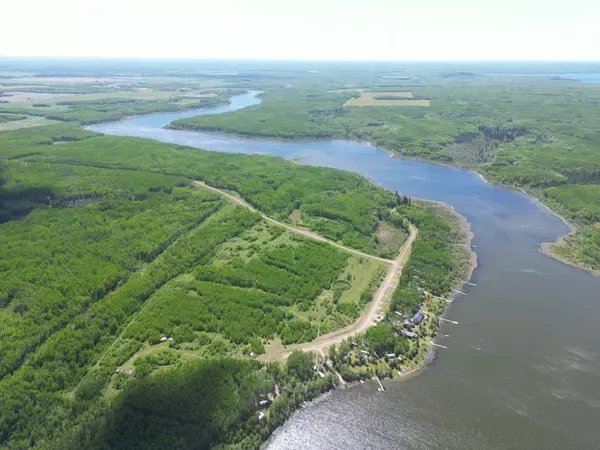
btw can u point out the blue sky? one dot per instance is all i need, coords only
(304, 29)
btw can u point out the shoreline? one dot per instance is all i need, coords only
(465, 228)
(545, 247)
(430, 354)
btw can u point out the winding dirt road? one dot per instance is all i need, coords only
(299, 231)
(367, 318)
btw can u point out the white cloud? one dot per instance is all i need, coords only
(304, 29)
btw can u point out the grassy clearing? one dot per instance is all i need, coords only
(361, 274)
(251, 243)
(386, 99)
(344, 301)
(296, 216)
(30, 121)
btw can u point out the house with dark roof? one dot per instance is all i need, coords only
(418, 317)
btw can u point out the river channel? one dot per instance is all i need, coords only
(521, 369)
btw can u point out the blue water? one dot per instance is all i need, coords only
(583, 77)
(522, 368)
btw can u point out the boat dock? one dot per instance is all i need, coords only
(448, 320)
(381, 388)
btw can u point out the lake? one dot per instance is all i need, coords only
(522, 367)
(583, 77)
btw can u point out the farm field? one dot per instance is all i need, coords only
(25, 122)
(386, 99)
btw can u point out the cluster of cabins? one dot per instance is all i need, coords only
(407, 323)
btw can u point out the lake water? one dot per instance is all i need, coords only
(522, 367)
(583, 77)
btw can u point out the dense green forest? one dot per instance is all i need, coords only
(116, 267)
(341, 206)
(220, 398)
(539, 134)
(128, 295)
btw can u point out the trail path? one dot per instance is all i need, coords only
(367, 318)
(299, 231)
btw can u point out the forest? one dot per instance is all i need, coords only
(109, 250)
(128, 294)
(539, 134)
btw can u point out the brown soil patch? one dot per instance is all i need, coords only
(296, 216)
(387, 235)
(374, 99)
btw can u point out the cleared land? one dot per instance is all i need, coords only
(299, 231)
(32, 97)
(31, 121)
(366, 319)
(386, 99)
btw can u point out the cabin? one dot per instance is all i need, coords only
(419, 317)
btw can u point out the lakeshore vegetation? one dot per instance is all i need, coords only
(538, 134)
(128, 294)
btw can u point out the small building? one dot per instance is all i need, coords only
(263, 402)
(407, 323)
(418, 317)
(410, 334)
(163, 339)
(391, 355)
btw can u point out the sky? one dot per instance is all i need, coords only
(364, 30)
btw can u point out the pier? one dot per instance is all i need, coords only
(381, 388)
(448, 320)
